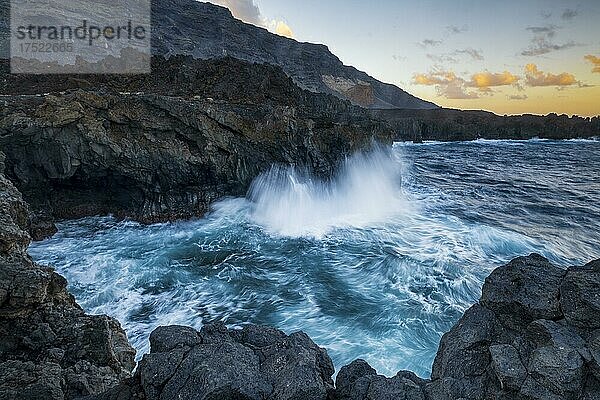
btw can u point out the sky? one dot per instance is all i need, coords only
(509, 57)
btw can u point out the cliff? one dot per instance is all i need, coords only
(459, 125)
(49, 348)
(165, 146)
(207, 31)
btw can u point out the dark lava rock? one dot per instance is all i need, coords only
(358, 381)
(526, 289)
(594, 347)
(580, 295)
(507, 366)
(165, 146)
(217, 363)
(452, 125)
(49, 348)
(559, 370)
(464, 351)
(517, 344)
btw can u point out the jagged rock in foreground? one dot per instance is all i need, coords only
(359, 381)
(49, 348)
(533, 336)
(255, 363)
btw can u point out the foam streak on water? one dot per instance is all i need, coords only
(377, 263)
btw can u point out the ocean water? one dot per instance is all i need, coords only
(376, 264)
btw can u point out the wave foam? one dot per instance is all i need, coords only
(289, 202)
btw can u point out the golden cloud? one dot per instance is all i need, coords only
(451, 86)
(248, 11)
(435, 78)
(535, 77)
(595, 62)
(283, 29)
(446, 83)
(486, 80)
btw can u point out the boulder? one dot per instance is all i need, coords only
(218, 363)
(555, 370)
(526, 289)
(508, 367)
(464, 351)
(358, 381)
(580, 296)
(517, 344)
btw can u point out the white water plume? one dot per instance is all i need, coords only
(367, 190)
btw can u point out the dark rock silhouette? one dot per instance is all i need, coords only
(207, 31)
(217, 363)
(49, 348)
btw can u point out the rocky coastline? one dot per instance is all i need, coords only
(201, 127)
(49, 348)
(164, 146)
(534, 334)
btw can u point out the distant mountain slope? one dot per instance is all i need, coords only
(205, 31)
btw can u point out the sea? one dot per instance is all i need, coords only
(375, 263)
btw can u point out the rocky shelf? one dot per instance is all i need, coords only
(535, 334)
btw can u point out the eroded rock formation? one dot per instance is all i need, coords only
(165, 146)
(49, 348)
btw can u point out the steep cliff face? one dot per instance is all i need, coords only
(164, 146)
(49, 348)
(206, 31)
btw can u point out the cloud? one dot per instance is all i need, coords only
(447, 84)
(442, 58)
(456, 90)
(435, 78)
(455, 30)
(475, 54)
(569, 14)
(548, 30)
(541, 46)
(452, 86)
(543, 41)
(454, 57)
(429, 43)
(248, 11)
(484, 81)
(518, 97)
(283, 29)
(595, 62)
(534, 77)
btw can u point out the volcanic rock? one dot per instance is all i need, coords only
(49, 348)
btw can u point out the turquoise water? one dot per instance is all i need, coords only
(376, 264)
